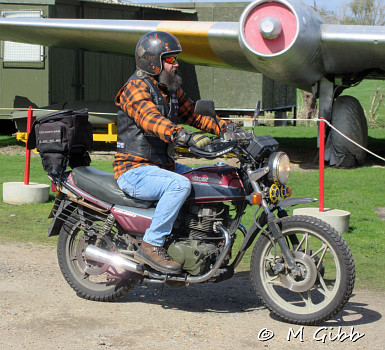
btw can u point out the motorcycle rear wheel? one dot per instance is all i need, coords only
(327, 266)
(91, 281)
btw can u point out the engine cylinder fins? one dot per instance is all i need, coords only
(200, 222)
(269, 28)
(198, 229)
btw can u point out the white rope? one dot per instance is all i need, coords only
(268, 119)
(358, 145)
(328, 123)
(103, 113)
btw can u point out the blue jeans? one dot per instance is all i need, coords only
(169, 188)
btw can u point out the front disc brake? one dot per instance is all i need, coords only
(308, 276)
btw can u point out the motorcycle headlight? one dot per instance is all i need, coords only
(279, 167)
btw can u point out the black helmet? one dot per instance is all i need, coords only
(151, 47)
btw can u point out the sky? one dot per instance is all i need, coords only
(333, 5)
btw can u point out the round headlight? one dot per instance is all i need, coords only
(279, 167)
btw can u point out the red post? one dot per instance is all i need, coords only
(27, 151)
(321, 163)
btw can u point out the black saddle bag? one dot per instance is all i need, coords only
(63, 139)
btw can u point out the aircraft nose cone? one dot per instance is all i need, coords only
(270, 28)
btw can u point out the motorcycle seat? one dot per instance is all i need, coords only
(103, 185)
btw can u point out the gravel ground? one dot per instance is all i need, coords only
(40, 311)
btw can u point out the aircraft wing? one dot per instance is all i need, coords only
(206, 43)
(352, 49)
(283, 39)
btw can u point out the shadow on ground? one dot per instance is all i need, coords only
(233, 296)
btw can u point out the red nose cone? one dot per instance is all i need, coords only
(257, 40)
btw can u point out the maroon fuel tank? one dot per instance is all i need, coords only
(215, 184)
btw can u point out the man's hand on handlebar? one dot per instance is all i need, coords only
(234, 132)
(188, 138)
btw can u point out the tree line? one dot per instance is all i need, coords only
(356, 12)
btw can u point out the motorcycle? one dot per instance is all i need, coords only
(301, 268)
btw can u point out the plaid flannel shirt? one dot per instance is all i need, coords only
(135, 99)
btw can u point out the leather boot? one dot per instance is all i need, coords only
(157, 258)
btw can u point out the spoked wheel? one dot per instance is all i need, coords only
(90, 280)
(327, 272)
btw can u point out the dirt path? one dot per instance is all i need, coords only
(40, 311)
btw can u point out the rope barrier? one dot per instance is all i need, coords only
(357, 144)
(334, 128)
(315, 120)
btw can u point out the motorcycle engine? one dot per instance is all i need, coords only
(197, 243)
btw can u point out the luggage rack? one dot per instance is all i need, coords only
(67, 208)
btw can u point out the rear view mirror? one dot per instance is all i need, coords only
(205, 107)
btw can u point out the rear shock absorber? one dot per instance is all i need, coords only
(108, 224)
(103, 237)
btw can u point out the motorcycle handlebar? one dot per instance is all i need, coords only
(215, 149)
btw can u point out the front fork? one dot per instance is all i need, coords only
(285, 250)
(275, 230)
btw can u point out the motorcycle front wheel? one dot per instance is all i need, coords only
(327, 272)
(90, 280)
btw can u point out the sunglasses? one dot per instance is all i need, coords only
(170, 59)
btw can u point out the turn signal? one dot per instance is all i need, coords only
(257, 198)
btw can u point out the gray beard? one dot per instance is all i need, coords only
(172, 81)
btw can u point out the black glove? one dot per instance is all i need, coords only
(234, 132)
(188, 138)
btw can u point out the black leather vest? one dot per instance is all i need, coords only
(133, 140)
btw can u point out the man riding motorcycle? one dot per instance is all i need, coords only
(151, 104)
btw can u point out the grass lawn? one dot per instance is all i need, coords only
(358, 191)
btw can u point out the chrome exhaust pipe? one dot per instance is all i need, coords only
(96, 254)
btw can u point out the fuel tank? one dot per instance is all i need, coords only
(217, 183)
